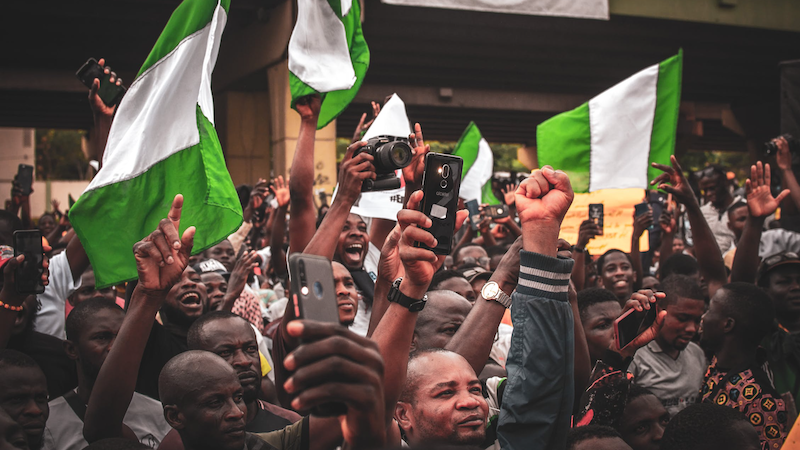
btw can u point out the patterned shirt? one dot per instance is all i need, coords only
(248, 307)
(751, 392)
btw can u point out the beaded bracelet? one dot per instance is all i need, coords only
(11, 307)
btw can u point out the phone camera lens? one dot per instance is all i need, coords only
(318, 292)
(443, 184)
(445, 171)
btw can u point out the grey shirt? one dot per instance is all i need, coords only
(676, 382)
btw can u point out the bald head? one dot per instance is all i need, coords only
(442, 317)
(192, 372)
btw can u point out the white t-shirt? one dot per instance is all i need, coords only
(360, 325)
(50, 319)
(145, 417)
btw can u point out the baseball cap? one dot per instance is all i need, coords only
(211, 265)
(473, 272)
(779, 259)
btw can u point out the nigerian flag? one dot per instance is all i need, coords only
(162, 143)
(476, 176)
(327, 54)
(610, 141)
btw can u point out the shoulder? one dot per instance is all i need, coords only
(694, 351)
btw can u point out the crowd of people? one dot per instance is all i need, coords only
(508, 342)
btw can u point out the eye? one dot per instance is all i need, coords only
(476, 390)
(252, 349)
(444, 394)
(641, 429)
(224, 353)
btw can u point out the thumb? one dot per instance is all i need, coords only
(348, 154)
(782, 195)
(558, 178)
(95, 87)
(187, 241)
(414, 200)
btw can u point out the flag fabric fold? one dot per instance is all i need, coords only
(610, 141)
(327, 54)
(476, 178)
(162, 143)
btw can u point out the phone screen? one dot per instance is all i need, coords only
(633, 324)
(596, 214)
(441, 183)
(28, 277)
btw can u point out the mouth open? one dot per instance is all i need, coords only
(353, 252)
(191, 300)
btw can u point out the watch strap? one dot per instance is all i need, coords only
(412, 304)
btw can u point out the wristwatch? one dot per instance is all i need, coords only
(395, 296)
(492, 291)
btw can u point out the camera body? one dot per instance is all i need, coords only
(771, 148)
(390, 153)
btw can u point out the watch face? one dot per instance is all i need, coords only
(489, 290)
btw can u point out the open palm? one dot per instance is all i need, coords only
(760, 201)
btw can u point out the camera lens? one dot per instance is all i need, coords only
(318, 290)
(445, 171)
(392, 156)
(443, 184)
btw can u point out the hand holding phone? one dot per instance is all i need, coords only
(24, 179)
(496, 211)
(640, 322)
(28, 275)
(474, 214)
(110, 91)
(596, 215)
(441, 183)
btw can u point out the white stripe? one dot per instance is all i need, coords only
(544, 273)
(391, 121)
(157, 118)
(543, 286)
(346, 5)
(481, 171)
(318, 52)
(588, 9)
(621, 122)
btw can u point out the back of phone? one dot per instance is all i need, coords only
(28, 276)
(313, 290)
(25, 178)
(441, 183)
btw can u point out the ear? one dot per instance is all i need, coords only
(404, 416)
(414, 342)
(730, 324)
(174, 417)
(70, 350)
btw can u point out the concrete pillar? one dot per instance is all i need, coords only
(285, 123)
(243, 125)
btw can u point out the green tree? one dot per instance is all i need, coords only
(59, 155)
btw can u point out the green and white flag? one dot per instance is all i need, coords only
(327, 54)
(610, 141)
(162, 143)
(476, 176)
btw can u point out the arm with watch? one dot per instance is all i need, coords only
(406, 296)
(475, 336)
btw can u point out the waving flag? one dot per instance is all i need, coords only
(162, 143)
(327, 54)
(476, 181)
(610, 141)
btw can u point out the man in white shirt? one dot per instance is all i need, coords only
(66, 269)
(713, 184)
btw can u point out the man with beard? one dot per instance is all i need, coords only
(23, 394)
(672, 366)
(233, 339)
(91, 329)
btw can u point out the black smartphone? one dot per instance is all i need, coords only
(109, 92)
(441, 182)
(314, 298)
(474, 214)
(643, 208)
(25, 178)
(596, 214)
(28, 276)
(632, 324)
(496, 211)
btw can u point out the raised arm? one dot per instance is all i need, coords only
(301, 179)
(709, 258)
(760, 204)
(538, 400)
(587, 231)
(160, 260)
(784, 162)
(668, 224)
(639, 225)
(276, 237)
(103, 114)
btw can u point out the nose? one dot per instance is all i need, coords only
(658, 432)
(234, 413)
(32, 409)
(691, 326)
(341, 290)
(240, 359)
(467, 401)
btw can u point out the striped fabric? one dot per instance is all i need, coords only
(552, 282)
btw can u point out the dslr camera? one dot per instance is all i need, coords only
(390, 153)
(771, 148)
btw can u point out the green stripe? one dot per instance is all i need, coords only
(334, 103)
(188, 18)
(564, 142)
(467, 147)
(111, 219)
(665, 123)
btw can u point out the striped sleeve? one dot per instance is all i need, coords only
(544, 276)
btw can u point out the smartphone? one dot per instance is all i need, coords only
(109, 92)
(474, 214)
(25, 178)
(632, 324)
(314, 298)
(643, 208)
(496, 211)
(596, 214)
(441, 182)
(28, 276)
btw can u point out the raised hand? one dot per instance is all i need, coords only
(644, 299)
(8, 294)
(544, 197)
(673, 182)
(389, 266)
(587, 231)
(353, 171)
(362, 127)
(97, 105)
(258, 193)
(281, 191)
(642, 222)
(667, 221)
(760, 202)
(244, 266)
(162, 256)
(509, 194)
(308, 107)
(412, 174)
(784, 157)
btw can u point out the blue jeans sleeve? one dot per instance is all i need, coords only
(537, 403)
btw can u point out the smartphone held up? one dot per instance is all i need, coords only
(441, 183)
(110, 92)
(28, 276)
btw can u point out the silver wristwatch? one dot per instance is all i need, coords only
(492, 291)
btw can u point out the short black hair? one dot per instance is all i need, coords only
(736, 206)
(703, 426)
(635, 391)
(442, 276)
(602, 259)
(116, 444)
(680, 264)
(751, 308)
(680, 286)
(594, 296)
(15, 358)
(84, 313)
(194, 337)
(580, 434)
(411, 383)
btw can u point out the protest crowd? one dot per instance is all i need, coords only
(508, 338)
